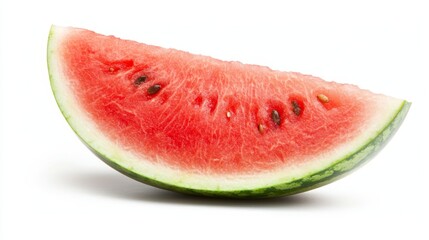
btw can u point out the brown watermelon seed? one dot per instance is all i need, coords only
(228, 114)
(275, 116)
(140, 80)
(261, 128)
(296, 108)
(323, 98)
(153, 89)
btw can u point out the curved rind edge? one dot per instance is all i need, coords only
(329, 174)
(337, 170)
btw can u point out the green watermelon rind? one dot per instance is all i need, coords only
(333, 172)
(311, 180)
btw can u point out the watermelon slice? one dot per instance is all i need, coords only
(198, 125)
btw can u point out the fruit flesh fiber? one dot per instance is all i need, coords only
(186, 123)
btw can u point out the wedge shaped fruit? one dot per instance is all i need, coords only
(198, 125)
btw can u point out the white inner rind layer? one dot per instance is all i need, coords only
(88, 131)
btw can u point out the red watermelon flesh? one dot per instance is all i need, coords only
(192, 115)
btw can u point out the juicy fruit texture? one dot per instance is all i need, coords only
(182, 118)
(196, 124)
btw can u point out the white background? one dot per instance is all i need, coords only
(52, 187)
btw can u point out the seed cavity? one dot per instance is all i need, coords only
(275, 116)
(111, 69)
(296, 108)
(322, 98)
(153, 89)
(198, 101)
(140, 80)
(261, 128)
(212, 103)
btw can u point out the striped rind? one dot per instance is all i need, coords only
(337, 170)
(247, 187)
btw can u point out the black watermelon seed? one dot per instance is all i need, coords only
(296, 108)
(275, 116)
(153, 89)
(140, 80)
